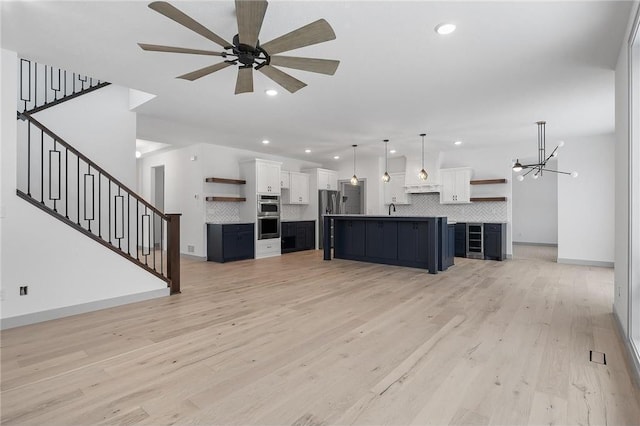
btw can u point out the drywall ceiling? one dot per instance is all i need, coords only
(508, 65)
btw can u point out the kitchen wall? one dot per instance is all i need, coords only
(185, 188)
(586, 204)
(535, 208)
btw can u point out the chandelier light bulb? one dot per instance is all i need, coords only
(574, 174)
(423, 174)
(555, 154)
(520, 178)
(354, 180)
(535, 176)
(517, 167)
(560, 144)
(386, 177)
(138, 154)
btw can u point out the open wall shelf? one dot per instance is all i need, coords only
(481, 199)
(225, 180)
(487, 181)
(231, 199)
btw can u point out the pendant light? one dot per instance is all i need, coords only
(423, 173)
(385, 176)
(354, 178)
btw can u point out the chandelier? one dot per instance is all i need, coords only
(541, 165)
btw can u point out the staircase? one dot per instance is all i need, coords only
(63, 182)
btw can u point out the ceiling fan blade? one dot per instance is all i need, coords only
(322, 66)
(244, 82)
(282, 78)
(250, 14)
(172, 49)
(181, 18)
(313, 33)
(194, 75)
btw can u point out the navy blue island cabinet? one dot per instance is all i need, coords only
(393, 240)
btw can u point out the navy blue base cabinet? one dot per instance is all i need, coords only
(227, 242)
(461, 239)
(297, 236)
(495, 241)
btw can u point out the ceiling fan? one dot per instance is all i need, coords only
(246, 50)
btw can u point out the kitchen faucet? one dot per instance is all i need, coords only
(394, 208)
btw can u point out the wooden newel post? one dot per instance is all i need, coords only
(173, 251)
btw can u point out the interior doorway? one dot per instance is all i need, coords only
(352, 197)
(157, 200)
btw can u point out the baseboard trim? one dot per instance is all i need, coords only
(585, 262)
(193, 257)
(631, 356)
(524, 243)
(82, 308)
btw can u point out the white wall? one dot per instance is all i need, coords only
(185, 188)
(101, 126)
(535, 208)
(621, 250)
(62, 267)
(586, 204)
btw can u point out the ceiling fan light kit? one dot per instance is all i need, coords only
(541, 165)
(246, 51)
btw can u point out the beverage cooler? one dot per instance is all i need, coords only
(475, 244)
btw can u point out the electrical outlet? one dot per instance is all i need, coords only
(24, 290)
(2, 294)
(191, 249)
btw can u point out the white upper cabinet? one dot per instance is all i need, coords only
(284, 180)
(267, 177)
(456, 187)
(327, 179)
(298, 192)
(394, 191)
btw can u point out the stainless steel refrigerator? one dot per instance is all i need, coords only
(329, 202)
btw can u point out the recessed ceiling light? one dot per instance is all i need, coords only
(307, 151)
(457, 143)
(393, 151)
(444, 29)
(336, 157)
(271, 92)
(138, 154)
(265, 142)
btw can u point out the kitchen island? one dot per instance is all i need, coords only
(414, 241)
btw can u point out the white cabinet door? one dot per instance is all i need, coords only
(299, 190)
(394, 190)
(284, 180)
(267, 178)
(463, 186)
(327, 179)
(455, 185)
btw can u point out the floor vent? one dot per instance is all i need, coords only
(598, 357)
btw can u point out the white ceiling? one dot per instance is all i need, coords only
(508, 65)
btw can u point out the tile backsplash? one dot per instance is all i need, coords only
(429, 205)
(221, 212)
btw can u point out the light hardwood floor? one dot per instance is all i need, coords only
(296, 340)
